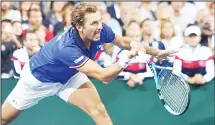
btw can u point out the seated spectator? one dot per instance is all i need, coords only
(104, 55)
(24, 7)
(8, 45)
(146, 9)
(41, 34)
(169, 37)
(195, 61)
(10, 35)
(211, 6)
(55, 15)
(17, 31)
(66, 22)
(147, 38)
(107, 19)
(207, 26)
(7, 13)
(137, 68)
(22, 55)
(184, 13)
(35, 22)
(45, 21)
(200, 15)
(164, 12)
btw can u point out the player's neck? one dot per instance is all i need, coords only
(86, 41)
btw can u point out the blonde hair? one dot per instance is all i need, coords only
(162, 23)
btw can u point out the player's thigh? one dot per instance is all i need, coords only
(85, 97)
(9, 112)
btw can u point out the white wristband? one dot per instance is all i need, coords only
(132, 44)
(123, 62)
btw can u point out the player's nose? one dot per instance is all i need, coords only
(99, 26)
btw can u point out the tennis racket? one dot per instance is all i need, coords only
(172, 88)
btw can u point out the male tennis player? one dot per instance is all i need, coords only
(61, 67)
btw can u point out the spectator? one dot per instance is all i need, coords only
(147, 28)
(24, 8)
(104, 55)
(211, 6)
(107, 19)
(137, 69)
(65, 16)
(164, 12)
(207, 26)
(46, 22)
(7, 48)
(7, 13)
(35, 21)
(194, 60)
(168, 35)
(184, 12)
(17, 31)
(199, 16)
(8, 31)
(146, 10)
(22, 55)
(41, 34)
(55, 15)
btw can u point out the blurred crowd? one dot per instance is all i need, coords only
(186, 26)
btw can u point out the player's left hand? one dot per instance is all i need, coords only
(164, 54)
(137, 46)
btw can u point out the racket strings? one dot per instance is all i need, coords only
(167, 91)
(173, 91)
(175, 98)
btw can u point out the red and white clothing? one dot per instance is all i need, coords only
(19, 58)
(198, 60)
(103, 59)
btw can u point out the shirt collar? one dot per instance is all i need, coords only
(78, 39)
(187, 46)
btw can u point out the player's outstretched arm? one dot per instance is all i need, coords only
(126, 43)
(91, 68)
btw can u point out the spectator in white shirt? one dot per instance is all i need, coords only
(22, 55)
(196, 62)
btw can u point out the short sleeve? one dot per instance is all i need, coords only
(107, 35)
(161, 46)
(72, 57)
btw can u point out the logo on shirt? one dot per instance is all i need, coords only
(79, 59)
(99, 47)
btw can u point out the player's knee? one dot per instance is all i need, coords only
(4, 121)
(97, 110)
(100, 107)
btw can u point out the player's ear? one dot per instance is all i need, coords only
(79, 28)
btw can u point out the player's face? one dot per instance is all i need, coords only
(92, 26)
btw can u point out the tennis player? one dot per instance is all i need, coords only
(62, 65)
